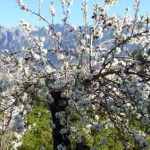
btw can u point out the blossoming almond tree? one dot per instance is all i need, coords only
(100, 85)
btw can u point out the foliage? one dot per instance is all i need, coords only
(38, 132)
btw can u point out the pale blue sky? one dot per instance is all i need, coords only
(10, 14)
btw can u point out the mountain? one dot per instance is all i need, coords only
(11, 38)
(14, 38)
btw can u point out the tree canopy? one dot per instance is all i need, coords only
(98, 89)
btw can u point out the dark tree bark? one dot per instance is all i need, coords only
(59, 104)
(83, 145)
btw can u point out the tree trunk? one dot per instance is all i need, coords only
(57, 106)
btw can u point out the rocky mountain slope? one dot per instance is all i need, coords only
(15, 39)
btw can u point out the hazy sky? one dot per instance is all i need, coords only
(10, 14)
